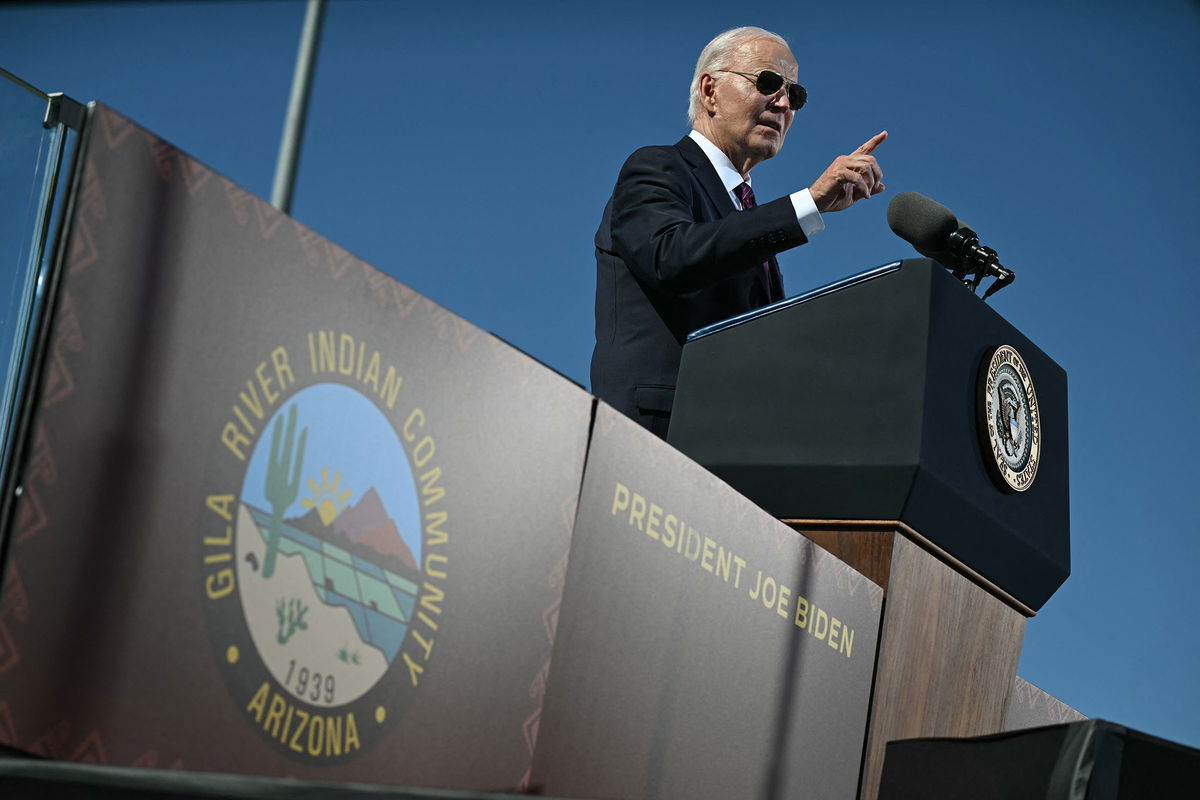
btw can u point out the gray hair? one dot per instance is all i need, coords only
(718, 54)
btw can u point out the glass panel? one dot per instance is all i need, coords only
(32, 173)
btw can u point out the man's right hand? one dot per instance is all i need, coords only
(850, 178)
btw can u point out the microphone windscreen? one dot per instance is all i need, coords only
(925, 223)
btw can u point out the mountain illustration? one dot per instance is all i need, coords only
(365, 523)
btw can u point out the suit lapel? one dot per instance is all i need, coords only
(706, 176)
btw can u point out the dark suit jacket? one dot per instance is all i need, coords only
(674, 254)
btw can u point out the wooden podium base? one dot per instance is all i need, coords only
(949, 639)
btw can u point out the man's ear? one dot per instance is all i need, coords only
(708, 92)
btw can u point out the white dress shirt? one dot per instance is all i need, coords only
(806, 210)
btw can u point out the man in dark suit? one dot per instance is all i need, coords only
(682, 242)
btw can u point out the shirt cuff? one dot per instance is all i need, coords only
(806, 213)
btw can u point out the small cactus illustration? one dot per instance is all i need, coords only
(291, 618)
(281, 490)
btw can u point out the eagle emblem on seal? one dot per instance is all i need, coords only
(1009, 419)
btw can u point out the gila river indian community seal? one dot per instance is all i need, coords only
(1010, 422)
(323, 563)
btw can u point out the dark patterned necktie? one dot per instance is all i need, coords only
(745, 194)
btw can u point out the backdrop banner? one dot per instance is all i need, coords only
(705, 650)
(281, 514)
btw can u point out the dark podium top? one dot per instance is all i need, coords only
(861, 401)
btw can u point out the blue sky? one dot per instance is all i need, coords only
(467, 149)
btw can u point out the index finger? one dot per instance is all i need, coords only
(869, 146)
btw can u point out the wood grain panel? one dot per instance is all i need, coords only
(865, 544)
(947, 657)
(868, 551)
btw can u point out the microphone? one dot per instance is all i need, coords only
(934, 232)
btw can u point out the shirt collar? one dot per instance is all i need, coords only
(730, 177)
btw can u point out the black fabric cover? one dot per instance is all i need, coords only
(25, 778)
(1089, 760)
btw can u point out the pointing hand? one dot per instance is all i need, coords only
(850, 178)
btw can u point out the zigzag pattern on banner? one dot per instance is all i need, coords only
(92, 197)
(269, 217)
(54, 744)
(386, 290)
(195, 174)
(163, 154)
(8, 727)
(451, 327)
(68, 338)
(1043, 705)
(116, 129)
(171, 160)
(83, 247)
(239, 200)
(320, 250)
(14, 608)
(83, 252)
(521, 367)
(40, 471)
(149, 760)
(606, 424)
(537, 688)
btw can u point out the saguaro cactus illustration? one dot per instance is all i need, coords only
(291, 618)
(283, 481)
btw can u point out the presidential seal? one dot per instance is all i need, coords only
(1010, 423)
(324, 560)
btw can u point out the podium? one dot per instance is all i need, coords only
(857, 414)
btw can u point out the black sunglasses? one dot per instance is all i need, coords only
(768, 83)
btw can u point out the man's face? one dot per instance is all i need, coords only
(750, 124)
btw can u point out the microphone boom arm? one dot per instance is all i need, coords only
(934, 231)
(979, 261)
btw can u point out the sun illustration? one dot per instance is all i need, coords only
(327, 498)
